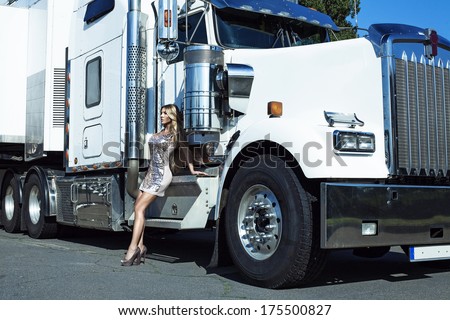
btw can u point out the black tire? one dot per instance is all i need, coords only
(35, 209)
(10, 197)
(269, 226)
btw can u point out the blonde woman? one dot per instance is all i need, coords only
(159, 175)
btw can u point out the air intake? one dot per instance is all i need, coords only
(423, 116)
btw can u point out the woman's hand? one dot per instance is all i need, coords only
(199, 173)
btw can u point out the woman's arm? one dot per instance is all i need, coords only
(184, 149)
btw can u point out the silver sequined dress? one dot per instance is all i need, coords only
(158, 175)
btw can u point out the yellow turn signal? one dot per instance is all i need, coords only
(275, 109)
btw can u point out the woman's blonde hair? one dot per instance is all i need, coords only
(177, 159)
(176, 125)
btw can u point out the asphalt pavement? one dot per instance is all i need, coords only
(86, 266)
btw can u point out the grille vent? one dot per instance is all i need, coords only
(59, 86)
(65, 206)
(423, 116)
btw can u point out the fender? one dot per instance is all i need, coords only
(312, 147)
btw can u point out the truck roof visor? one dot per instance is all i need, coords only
(280, 8)
(379, 32)
(97, 9)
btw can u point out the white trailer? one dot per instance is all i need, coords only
(309, 145)
(12, 64)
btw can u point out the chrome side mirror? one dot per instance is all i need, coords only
(168, 29)
(168, 50)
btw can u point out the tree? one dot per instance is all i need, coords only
(338, 10)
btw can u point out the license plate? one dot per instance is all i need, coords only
(427, 253)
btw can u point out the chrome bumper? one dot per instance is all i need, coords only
(403, 215)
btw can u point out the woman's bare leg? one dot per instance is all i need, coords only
(137, 239)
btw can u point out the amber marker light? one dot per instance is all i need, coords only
(167, 18)
(275, 109)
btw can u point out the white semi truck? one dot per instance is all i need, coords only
(309, 145)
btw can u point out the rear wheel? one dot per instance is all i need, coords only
(269, 225)
(10, 213)
(39, 225)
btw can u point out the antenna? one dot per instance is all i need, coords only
(356, 14)
(186, 21)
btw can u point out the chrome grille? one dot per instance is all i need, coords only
(423, 115)
(65, 210)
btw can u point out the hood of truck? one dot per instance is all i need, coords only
(279, 8)
(343, 77)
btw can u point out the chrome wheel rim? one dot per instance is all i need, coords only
(34, 205)
(9, 203)
(259, 222)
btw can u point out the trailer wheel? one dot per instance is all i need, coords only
(10, 213)
(39, 225)
(269, 226)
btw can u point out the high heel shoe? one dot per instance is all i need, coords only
(135, 259)
(143, 253)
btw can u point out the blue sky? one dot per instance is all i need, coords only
(425, 14)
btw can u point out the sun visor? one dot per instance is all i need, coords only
(279, 8)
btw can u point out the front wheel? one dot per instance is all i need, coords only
(39, 225)
(269, 225)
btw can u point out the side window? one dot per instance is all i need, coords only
(97, 9)
(93, 82)
(196, 31)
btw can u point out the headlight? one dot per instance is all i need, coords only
(354, 141)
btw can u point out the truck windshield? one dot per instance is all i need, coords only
(239, 29)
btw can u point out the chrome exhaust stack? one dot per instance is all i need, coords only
(136, 80)
(136, 88)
